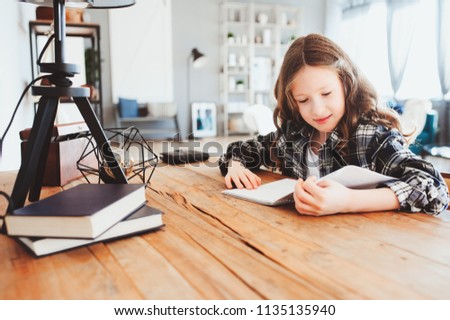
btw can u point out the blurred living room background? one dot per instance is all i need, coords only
(180, 69)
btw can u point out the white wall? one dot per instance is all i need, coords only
(195, 23)
(15, 66)
(141, 51)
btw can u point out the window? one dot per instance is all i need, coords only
(363, 35)
(421, 78)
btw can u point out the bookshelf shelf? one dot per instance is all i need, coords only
(88, 56)
(254, 38)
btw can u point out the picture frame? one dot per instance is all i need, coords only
(204, 119)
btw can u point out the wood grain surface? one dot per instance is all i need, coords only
(217, 247)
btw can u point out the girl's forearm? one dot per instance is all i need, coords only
(382, 199)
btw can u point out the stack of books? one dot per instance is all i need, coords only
(85, 214)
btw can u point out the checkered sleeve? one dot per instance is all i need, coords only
(252, 153)
(420, 186)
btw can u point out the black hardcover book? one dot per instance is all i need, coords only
(84, 211)
(145, 219)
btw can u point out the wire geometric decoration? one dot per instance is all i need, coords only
(131, 150)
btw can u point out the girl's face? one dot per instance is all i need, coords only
(319, 94)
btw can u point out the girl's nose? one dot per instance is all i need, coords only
(317, 106)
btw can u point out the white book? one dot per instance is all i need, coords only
(280, 192)
(357, 178)
(270, 194)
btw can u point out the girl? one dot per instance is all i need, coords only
(327, 117)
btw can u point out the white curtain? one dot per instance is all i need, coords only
(354, 29)
(409, 66)
(443, 45)
(401, 17)
(362, 34)
(443, 56)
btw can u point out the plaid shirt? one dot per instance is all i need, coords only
(420, 186)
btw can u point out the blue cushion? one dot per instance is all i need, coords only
(128, 108)
(428, 135)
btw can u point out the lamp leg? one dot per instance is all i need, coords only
(33, 156)
(35, 188)
(100, 138)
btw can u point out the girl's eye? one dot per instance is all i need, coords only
(302, 101)
(326, 93)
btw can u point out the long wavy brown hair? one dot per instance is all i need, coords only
(360, 96)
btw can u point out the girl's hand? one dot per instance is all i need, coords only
(241, 177)
(323, 198)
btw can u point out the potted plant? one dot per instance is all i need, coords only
(240, 85)
(92, 71)
(230, 36)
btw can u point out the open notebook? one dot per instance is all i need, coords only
(280, 192)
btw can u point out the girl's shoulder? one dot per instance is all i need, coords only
(367, 133)
(367, 128)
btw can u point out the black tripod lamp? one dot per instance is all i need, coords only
(86, 3)
(196, 59)
(30, 176)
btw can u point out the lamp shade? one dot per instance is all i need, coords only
(111, 3)
(198, 58)
(86, 3)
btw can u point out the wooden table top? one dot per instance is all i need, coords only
(217, 247)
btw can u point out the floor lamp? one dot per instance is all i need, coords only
(30, 176)
(195, 59)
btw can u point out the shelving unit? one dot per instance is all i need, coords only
(254, 39)
(91, 33)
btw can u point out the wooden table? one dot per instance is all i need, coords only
(216, 247)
